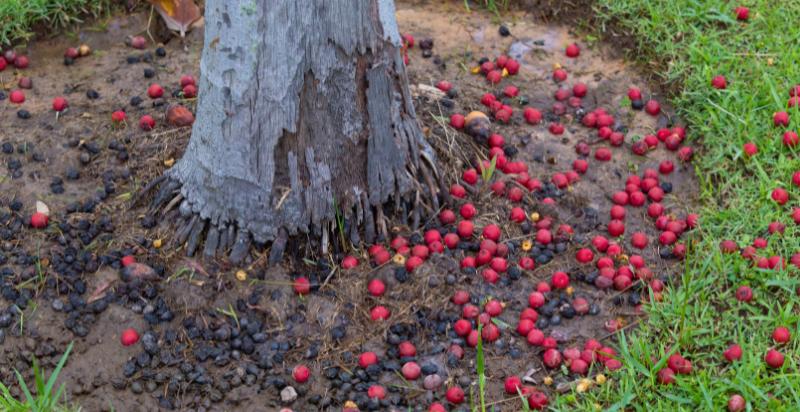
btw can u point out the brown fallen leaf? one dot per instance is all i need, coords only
(100, 291)
(139, 271)
(179, 15)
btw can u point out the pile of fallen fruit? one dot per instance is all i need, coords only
(504, 225)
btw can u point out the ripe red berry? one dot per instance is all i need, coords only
(455, 395)
(470, 176)
(639, 240)
(494, 76)
(39, 220)
(742, 13)
(468, 211)
(59, 104)
(744, 294)
(118, 116)
(187, 80)
(559, 75)
(536, 300)
(750, 149)
(444, 86)
(733, 353)
(573, 50)
(602, 154)
(666, 376)
(189, 91)
(366, 359)
(780, 196)
(376, 392)
(462, 327)
(376, 287)
(544, 236)
(580, 89)
(465, 229)
(379, 313)
(147, 123)
(21, 62)
(790, 139)
(155, 91)
(774, 359)
(129, 337)
(302, 286)
(556, 128)
(780, 119)
(552, 358)
(584, 255)
(349, 262)
(127, 260)
(457, 121)
(616, 228)
(719, 82)
(300, 373)
(737, 403)
(17, 97)
(560, 280)
(512, 66)
(652, 108)
(781, 334)
(537, 401)
(411, 371)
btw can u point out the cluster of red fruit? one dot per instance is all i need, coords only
(10, 57)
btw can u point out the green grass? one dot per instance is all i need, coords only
(687, 42)
(45, 398)
(19, 17)
(494, 6)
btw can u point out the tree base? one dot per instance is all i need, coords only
(363, 223)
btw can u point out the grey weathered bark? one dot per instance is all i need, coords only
(304, 112)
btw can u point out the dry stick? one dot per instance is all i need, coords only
(147, 189)
(172, 203)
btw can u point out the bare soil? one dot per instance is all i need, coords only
(76, 260)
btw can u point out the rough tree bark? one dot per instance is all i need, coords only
(304, 113)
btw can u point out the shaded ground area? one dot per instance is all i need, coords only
(213, 342)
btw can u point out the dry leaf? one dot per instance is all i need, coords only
(178, 14)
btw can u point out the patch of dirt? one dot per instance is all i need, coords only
(212, 342)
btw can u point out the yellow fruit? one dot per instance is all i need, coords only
(84, 50)
(570, 290)
(600, 379)
(169, 162)
(399, 259)
(535, 216)
(157, 243)
(241, 275)
(548, 380)
(475, 70)
(582, 387)
(527, 244)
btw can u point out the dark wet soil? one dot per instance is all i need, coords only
(210, 341)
